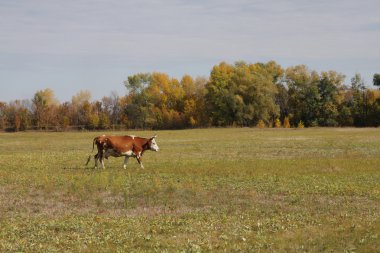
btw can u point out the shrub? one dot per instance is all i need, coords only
(277, 123)
(286, 122)
(260, 124)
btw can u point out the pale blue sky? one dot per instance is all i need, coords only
(74, 45)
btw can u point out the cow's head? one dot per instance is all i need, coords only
(153, 144)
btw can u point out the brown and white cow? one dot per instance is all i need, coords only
(128, 146)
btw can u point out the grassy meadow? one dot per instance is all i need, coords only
(206, 190)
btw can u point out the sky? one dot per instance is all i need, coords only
(95, 45)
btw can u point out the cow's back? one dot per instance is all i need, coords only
(120, 144)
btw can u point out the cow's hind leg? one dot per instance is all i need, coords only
(125, 162)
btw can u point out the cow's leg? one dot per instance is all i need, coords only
(102, 161)
(96, 157)
(106, 156)
(125, 162)
(139, 159)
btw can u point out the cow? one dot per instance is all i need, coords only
(127, 146)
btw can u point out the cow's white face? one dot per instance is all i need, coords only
(153, 145)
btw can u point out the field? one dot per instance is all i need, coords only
(206, 190)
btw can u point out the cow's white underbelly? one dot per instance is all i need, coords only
(111, 152)
(128, 153)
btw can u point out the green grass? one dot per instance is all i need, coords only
(206, 190)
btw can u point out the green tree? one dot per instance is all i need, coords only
(243, 94)
(376, 80)
(330, 87)
(138, 82)
(137, 110)
(358, 102)
(303, 95)
(373, 98)
(220, 95)
(282, 100)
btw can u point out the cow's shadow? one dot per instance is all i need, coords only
(89, 168)
(78, 168)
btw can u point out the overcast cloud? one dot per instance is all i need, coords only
(73, 45)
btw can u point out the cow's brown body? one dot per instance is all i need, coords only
(128, 146)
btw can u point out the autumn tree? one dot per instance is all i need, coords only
(239, 94)
(64, 115)
(19, 115)
(44, 108)
(3, 118)
(166, 96)
(193, 101)
(81, 108)
(111, 110)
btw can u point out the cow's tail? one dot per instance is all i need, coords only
(93, 144)
(89, 157)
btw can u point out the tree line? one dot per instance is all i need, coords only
(239, 94)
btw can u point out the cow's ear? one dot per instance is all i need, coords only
(155, 135)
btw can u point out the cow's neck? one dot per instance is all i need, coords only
(145, 147)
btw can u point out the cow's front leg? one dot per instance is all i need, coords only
(102, 162)
(96, 160)
(139, 159)
(106, 156)
(125, 162)
(103, 155)
(101, 159)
